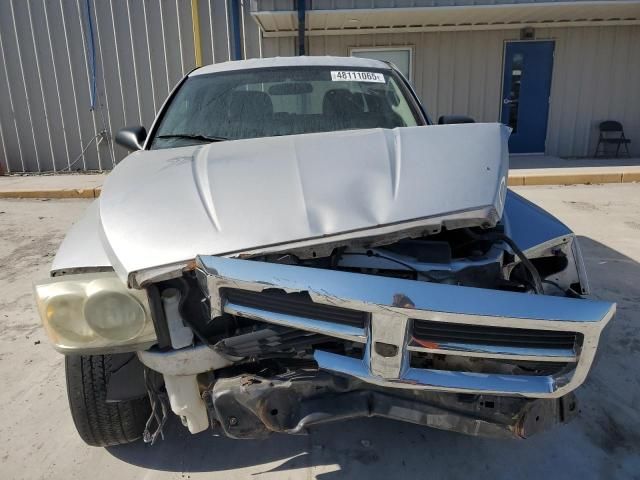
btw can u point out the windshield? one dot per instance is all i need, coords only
(282, 101)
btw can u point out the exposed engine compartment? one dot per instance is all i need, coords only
(463, 257)
(268, 336)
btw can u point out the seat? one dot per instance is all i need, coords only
(249, 105)
(343, 109)
(382, 112)
(250, 114)
(611, 133)
(340, 102)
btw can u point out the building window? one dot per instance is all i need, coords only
(401, 57)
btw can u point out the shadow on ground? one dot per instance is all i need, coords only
(603, 442)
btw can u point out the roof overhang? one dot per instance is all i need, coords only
(450, 18)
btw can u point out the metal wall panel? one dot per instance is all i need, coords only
(18, 91)
(142, 49)
(251, 35)
(214, 30)
(596, 75)
(284, 5)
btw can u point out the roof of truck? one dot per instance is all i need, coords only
(348, 62)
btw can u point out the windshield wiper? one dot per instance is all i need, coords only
(193, 136)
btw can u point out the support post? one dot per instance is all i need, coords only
(301, 25)
(197, 42)
(234, 29)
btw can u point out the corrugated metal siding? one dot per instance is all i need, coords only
(143, 48)
(596, 76)
(284, 5)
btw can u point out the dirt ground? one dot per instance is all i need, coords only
(38, 440)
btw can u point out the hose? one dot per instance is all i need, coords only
(399, 262)
(77, 159)
(497, 236)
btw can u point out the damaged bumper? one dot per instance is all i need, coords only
(253, 407)
(471, 360)
(397, 321)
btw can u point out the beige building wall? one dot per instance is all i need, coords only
(596, 76)
(47, 123)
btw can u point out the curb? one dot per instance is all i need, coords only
(515, 180)
(572, 178)
(58, 193)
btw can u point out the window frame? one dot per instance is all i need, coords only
(414, 102)
(409, 48)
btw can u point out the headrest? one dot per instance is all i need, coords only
(250, 104)
(341, 101)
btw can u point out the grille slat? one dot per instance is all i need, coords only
(440, 332)
(498, 338)
(499, 331)
(297, 304)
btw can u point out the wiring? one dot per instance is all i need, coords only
(497, 236)
(399, 262)
(569, 292)
(90, 42)
(77, 159)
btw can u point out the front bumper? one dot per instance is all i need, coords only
(493, 325)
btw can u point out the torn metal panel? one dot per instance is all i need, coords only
(254, 407)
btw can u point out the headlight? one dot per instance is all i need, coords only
(94, 313)
(63, 313)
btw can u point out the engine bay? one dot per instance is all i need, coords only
(462, 257)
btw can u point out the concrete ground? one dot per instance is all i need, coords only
(38, 440)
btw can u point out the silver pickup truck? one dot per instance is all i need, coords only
(294, 242)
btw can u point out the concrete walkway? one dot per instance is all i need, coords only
(528, 162)
(549, 170)
(574, 176)
(524, 170)
(69, 185)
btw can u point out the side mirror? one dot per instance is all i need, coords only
(131, 138)
(448, 119)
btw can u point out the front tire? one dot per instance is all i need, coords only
(98, 422)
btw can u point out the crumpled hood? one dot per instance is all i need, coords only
(163, 207)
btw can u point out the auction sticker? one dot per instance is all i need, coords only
(352, 76)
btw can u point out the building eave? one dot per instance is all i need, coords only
(451, 18)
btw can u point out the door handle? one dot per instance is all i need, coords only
(508, 101)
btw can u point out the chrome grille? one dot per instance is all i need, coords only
(397, 319)
(295, 303)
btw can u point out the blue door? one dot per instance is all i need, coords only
(526, 87)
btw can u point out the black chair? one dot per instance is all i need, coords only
(611, 133)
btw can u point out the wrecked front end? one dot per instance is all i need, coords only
(282, 347)
(381, 291)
